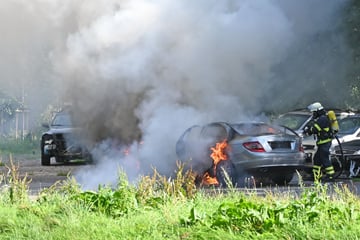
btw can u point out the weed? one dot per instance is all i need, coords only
(113, 202)
(18, 186)
(157, 188)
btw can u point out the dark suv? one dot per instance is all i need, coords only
(62, 141)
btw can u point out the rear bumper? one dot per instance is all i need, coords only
(280, 162)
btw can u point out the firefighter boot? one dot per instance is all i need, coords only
(329, 174)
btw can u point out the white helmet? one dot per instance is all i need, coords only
(315, 107)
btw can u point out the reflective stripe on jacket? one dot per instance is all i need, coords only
(323, 135)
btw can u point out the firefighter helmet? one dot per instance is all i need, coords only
(314, 107)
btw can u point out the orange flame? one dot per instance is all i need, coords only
(218, 154)
(208, 181)
(126, 151)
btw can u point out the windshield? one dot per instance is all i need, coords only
(348, 125)
(61, 120)
(292, 121)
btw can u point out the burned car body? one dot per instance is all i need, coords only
(62, 141)
(258, 149)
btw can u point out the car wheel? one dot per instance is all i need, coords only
(45, 159)
(283, 179)
(225, 173)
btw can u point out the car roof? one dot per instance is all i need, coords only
(298, 112)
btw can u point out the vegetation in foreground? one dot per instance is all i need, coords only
(162, 208)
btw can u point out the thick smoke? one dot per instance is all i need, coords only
(138, 71)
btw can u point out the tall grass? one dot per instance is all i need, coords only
(159, 207)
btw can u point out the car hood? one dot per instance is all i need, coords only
(344, 138)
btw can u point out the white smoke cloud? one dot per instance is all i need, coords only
(201, 57)
(147, 70)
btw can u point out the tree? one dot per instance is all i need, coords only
(352, 23)
(8, 106)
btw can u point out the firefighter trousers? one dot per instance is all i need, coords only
(322, 160)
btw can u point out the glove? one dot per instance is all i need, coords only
(307, 130)
(335, 132)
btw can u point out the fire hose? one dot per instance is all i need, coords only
(340, 162)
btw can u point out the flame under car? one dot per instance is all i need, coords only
(260, 150)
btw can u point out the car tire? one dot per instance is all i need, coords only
(283, 179)
(225, 174)
(45, 159)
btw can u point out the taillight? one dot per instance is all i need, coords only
(301, 148)
(254, 146)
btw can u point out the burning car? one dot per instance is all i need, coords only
(62, 141)
(222, 151)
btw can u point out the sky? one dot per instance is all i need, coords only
(138, 73)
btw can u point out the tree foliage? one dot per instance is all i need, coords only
(8, 106)
(352, 26)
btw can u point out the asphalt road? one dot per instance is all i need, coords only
(38, 177)
(42, 177)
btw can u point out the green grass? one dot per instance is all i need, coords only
(312, 216)
(162, 208)
(28, 148)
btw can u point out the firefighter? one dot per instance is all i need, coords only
(320, 127)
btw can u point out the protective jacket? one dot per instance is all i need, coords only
(322, 129)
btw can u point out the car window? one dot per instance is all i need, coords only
(349, 125)
(256, 129)
(61, 120)
(293, 121)
(215, 132)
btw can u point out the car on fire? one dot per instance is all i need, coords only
(266, 152)
(61, 141)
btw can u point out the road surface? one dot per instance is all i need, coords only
(42, 177)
